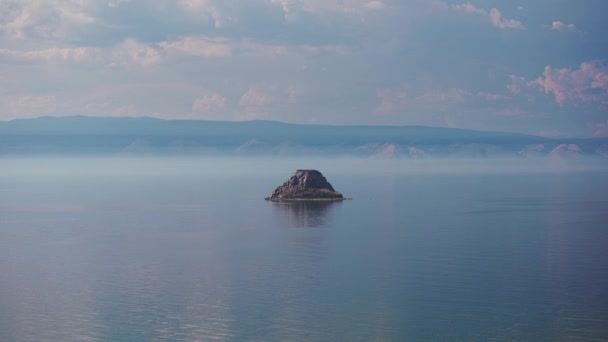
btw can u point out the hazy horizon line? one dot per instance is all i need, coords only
(286, 123)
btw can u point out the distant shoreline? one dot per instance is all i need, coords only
(309, 200)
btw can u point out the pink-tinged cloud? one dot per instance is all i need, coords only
(469, 8)
(500, 22)
(561, 26)
(517, 85)
(589, 83)
(494, 16)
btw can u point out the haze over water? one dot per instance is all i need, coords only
(185, 249)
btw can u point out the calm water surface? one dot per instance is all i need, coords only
(188, 250)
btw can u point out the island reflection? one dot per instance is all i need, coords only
(298, 214)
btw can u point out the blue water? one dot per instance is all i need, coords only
(188, 250)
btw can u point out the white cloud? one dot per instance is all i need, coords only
(392, 100)
(337, 6)
(262, 98)
(133, 54)
(163, 100)
(199, 46)
(209, 103)
(292, 94)
(21, 19)
(55, 54)
(561, 26)
(21, 106)
(116, 3)
(207, 9)
(257, 96)
(105, 107)
(375, 5)
(494, 16)
(255, 102)
(203, 46)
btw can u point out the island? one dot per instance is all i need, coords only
(305, 185)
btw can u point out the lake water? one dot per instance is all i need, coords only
(187, 250)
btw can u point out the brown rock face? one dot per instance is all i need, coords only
(305, 185)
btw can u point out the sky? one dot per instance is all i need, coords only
(532, 66)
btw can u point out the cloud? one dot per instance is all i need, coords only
(494, 16)
(518, 84)
(128, 54)
(290, 7)
(257, 96)
(21, 19)
(210, 103)
(116, 3)
(335, 5)
(561, 26)
(469, 8)
(255, 102)
(492, 96)
(261, 99)
(589, 83)
(21, 106)
(105, 107)
(133, 54)
(375, 5)
(393, 100)
(199, 46)
(292, 94)
(206, 8)
(55, 55)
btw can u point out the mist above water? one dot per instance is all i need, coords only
(113, 167)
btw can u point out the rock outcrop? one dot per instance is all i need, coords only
(305, 185)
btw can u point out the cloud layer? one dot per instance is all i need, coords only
(456, 64)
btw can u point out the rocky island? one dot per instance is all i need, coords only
(305, 185)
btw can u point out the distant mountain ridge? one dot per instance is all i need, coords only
(142, 135)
